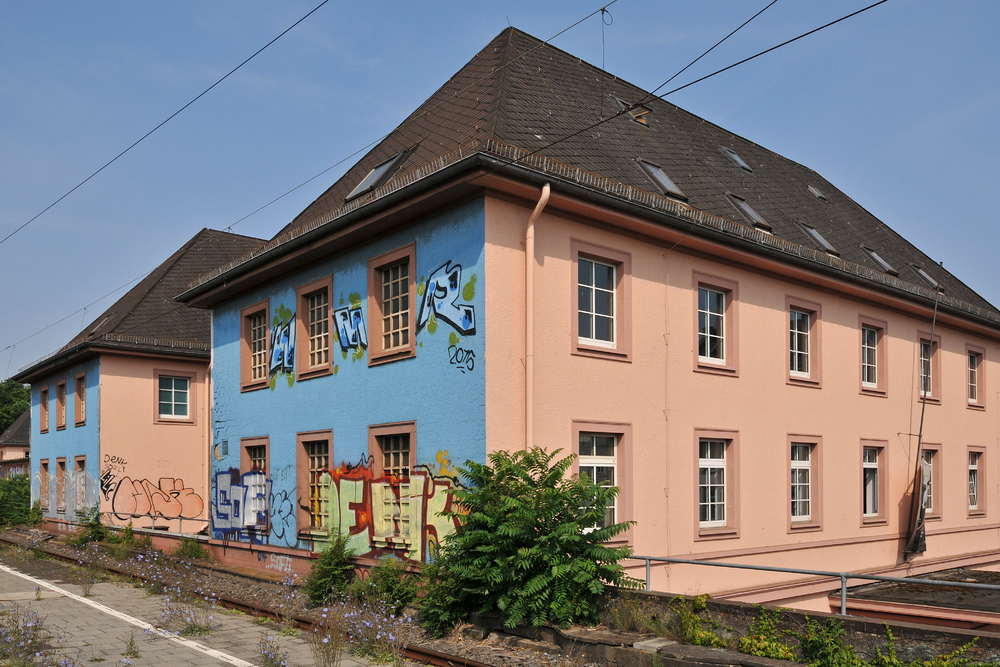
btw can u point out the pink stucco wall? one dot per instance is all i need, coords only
(156, 466)
(666, 401)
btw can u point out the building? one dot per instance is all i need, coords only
(15, 447)
(122, 411)
(718, 330)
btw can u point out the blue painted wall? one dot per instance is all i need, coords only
(442, 389)
(70, 442)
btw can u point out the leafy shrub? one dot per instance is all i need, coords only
(388, 583)
(15, 500)
(687, 623)
(954, 659)
(331, 572)
(92, 530)
(822, 645)
(35, 514)
(762, 640)
(190, 549)
(530, 545)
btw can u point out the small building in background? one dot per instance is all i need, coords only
(15, 447)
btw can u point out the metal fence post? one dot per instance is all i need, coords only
(843, 594)
(648, 565)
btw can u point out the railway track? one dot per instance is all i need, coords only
(417, 653)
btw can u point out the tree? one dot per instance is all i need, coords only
(530, 545)
(15, 398)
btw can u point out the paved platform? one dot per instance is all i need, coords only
(96, 628)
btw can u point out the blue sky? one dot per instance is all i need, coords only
(899, 107)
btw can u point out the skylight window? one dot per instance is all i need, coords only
(751, 214)
(661, 179)
(886, 266)
(816, 191)
(732, 155)
(376, 176)
(818, 238)
(926, 276)
(637, 112)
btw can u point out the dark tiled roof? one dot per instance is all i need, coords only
(528, 94)
(147, 318)
(18, 433)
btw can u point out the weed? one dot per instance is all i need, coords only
(25, 642)
(328, 639)
(331, 572)
(686, 624)
(131, 647)
(762, 640)
(387, 582)
(286, 607)
(822, 645)
(190, 549)
(87, 576)
(270, 652)
(262, 620)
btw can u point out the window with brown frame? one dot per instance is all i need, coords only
(43, 485)
(805, 466)
(61, 405)
(874, 360)
(312, 350)
(43, 410)
(391, 305)
(717, 484)
(716, 315)
(929, 360)
(254, 347)
(874, 482)
(977, 481)
(804, 342)
(80, 481)
(80, 400)
(254, 462)
(392, 448)
(61, 484)
(313, 476)
(602, 309)
(974, 377)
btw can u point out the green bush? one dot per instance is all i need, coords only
(15, 500)
(529, 546)
(92, 530)
(822, 645)
(331, 573)
(189, 548)
(387, 583)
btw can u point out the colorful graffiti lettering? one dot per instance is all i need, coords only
(351, 328)
(275, 562)
(282, 346)
(240, 509)
(111, 469)
(464, 360)
(440, 300)
(169, 499)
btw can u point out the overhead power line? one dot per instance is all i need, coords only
(164, 122)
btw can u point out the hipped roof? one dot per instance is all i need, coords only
(528, 96)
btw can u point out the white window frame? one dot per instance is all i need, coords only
(869, 357)
(974, 459)
(929, 456)
(870, 497)
(926, 368)
(705, 332)
(173, 402)
(707, 518)
(588, 464)
(592, 313)
(802, 466)
(974, 359)
(799, 359)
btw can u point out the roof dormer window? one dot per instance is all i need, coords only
(732, 155)
(926, 276)
(637, 112)
(818, 238)
(886, 266)
(377, 176)
(661, 179)
(750, 214)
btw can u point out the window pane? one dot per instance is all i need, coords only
(604, 303)
(603, 328)
(586, 270)
(604, 276)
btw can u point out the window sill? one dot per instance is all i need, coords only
(167, 420)
(716, 369)
(388, 357)
(721, 533)
(976, 406)
(61, 428)
(977, 514)
(804, 527)
(313, 373)
(81, 423)
(254, 386)
(803, 382)
(600, 352)
(874, 521)
(392, 542)
(874, 391)
(932, 517)
(930, 400)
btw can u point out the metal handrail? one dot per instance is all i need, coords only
(843, 576)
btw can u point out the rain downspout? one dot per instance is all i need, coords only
(529, 320)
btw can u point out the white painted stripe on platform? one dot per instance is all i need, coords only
(211, 652)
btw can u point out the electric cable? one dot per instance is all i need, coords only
(168, 119)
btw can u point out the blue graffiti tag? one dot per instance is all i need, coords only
(283, 348)
(441, 298)
(351, 326)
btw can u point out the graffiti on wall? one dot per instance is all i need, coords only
(79, 492)
(237, 505)
(112, 468)
(282, 346)
(274, 561)
(169, 498)
(440, 300)
(351, 329)
(362, 505)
